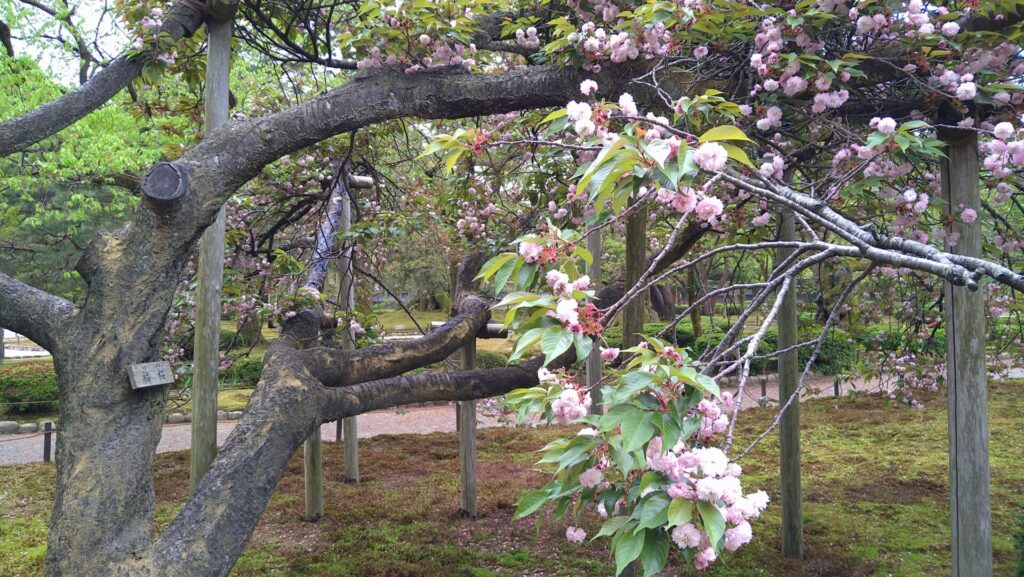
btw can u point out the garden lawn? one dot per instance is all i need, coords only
(875, 487)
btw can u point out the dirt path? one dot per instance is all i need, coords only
(15, 449)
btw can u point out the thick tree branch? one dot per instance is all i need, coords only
(32, 312)
(337, 368)
(427, 387)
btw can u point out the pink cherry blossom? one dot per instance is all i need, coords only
(591, 478)
(687, 536)
(575, 534)
(588, 87)
(1003, 130)
(709, 207)
(886, 125)
(530, 251)
(711, 156)
(969, 215)
(610, 354)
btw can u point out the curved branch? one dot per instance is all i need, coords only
(337, 368)
(35, 313)
(428, 387)
(19, 133)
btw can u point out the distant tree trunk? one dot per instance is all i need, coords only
(663, 302)
(250, 331)
(5, 38)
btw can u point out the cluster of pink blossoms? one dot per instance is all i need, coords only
(572, 403)
(706, 207)
(151, 26)
(437, 53)
(705, 474)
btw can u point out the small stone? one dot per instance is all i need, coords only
(188, 417)
(28, 428)
(8, 427)
(222, 415)
(234, 415)
(175, 418)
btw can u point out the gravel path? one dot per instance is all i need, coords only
(15, 449)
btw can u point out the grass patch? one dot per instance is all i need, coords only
(875, 488)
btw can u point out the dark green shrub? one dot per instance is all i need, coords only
(734, 309)
(613, 334)
(34, 384)
(228, 338)
(883, 339)
(836, 355)
(704, 342)
(246, 371)
(807, 318)
(491, 359)
(1018, 540)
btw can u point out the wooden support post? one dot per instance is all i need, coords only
(636, 262)
(47, 441)
(633, 312)
(970, 508)
(350, 426)
(789, 427)
(466, 417)
(210, 273)
(313, 479)
(594, 360)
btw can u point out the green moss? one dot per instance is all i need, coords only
(875, 503)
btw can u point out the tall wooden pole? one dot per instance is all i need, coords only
(636, 261)
(210, 274)
(633, 312)
(313, 476)
(594, 360)
(350, 426)
(969, 504)
(467, 441)
(789, 427)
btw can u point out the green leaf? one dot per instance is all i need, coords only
(491, 266)
(501, 278)
(655, 552)
(631, 384)
(637, 429)
(555, 341)
(736, 153)
(526, 341)
(583, 345)
(627, 546)
(555, 115)
(708, 384)
(530, 502)
(680, 511)
(611, 526)
(723, 133)
(714, 523)
(654, 512)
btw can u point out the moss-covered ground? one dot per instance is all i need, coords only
(875, 487)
